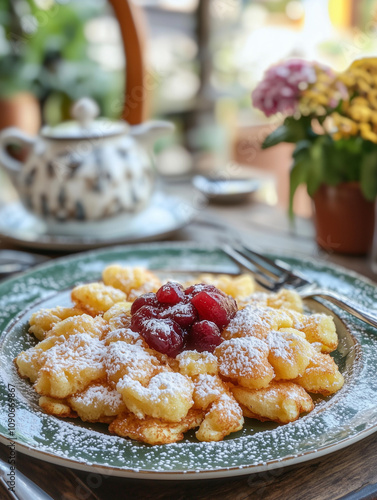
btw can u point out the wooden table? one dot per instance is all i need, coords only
(330, 477)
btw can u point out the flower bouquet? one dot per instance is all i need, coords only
(332, 119)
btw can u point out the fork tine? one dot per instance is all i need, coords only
(288, 277)
(272, 266)
(264, 280)
(267, 274)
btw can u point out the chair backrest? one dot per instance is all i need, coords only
(133, 29)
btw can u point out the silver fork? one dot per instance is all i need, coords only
(16, 261)
(273, 276)
(25, 488)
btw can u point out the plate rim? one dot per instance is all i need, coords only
(219, 473)
(184, 245)
(178, 475)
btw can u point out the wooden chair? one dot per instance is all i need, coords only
(133, 29)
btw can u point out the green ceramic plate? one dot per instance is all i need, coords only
(336, 422)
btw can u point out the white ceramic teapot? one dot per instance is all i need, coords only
(84, 170)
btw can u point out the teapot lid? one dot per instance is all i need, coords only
(85, 125)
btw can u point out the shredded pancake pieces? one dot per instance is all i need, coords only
(154, 360)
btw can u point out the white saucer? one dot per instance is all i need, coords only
(227, 191)
(164, 216)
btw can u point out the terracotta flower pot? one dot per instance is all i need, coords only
(344, 219)
(22, 110)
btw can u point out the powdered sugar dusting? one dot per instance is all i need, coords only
(280, 345)
(82, 350)
(250, 320)
(207, 386)
(95, 394)
(161, 386)
(120, 354)
(342, 417)
(241, 356)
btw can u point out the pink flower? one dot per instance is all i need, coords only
(280, 89)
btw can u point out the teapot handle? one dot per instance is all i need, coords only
(10, 136)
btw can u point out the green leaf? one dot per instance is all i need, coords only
(302, 148)
(315, 167)
(278, 135)
(293, 130)
(352, 144)
(335, 161)
(299, 170)
(368, 175)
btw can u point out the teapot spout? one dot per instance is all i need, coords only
(147, 133)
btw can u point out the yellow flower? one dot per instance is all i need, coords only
(360, 101)
(337, 136)
(372, 98)
(364, 62)
(367, 134)
(362, 85)
(373, 117)
(324, 93)
(358, 113)
(361, 76)
(345, 126)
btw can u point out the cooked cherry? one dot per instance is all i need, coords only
(183, 313)
(148, 299)
(143, 314)
(204, 336)
(163, 335)
(215, 306)
(171, 293)
(199, 287)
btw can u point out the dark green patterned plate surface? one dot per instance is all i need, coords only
(336, 422)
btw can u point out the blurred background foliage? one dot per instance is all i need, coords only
(204, 58)
(46, 48)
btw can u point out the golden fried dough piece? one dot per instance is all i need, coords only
(208, 388)
(256, 299)
(96, 298)
(223, 414)
(318, 328)
(70, 366)
(166, 363)
(256, 321)
(133, 281)
(238, 287)
(91, 365)
(245, 360)
(167, 396)
(289, 353)
(280, 402)
(31, 361)
(223, 417)
(97, 403)
(44, 320)
(321, 376)
(299, 334)
(192, 363)
(95, 327)
(154, 430)
(321, 328)
(286, 299)
(119, 316)
(131, 360)
(57, 407)
(125, 335)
